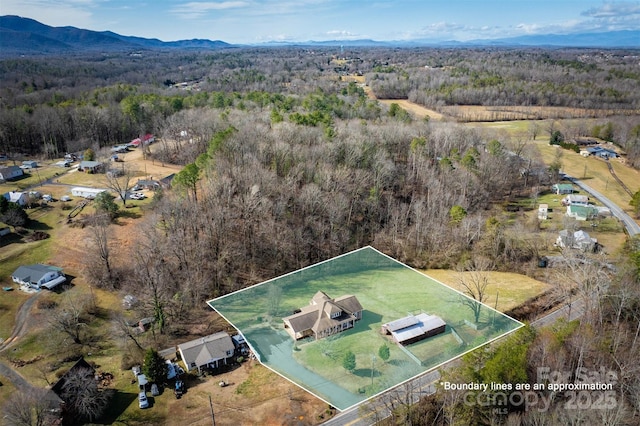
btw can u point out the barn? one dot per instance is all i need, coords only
(414, 328)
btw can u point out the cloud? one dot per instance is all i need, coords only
(52, 12)
(613, 9)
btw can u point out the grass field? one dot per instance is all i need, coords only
(509, 289)
(387, 290)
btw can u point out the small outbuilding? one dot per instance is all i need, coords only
(414, 328)
(543, 211)
(29, 164)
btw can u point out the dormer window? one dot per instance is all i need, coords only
(336, 314)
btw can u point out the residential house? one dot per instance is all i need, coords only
(577, 240)
(562, 188)
(324, 316)
(85, 192)
(20, 198)
(414, 328)
(29, 164)
(38, 276)
(11, 172)
(580, 212)
(90, 166)
(575, 200)
(212, 351)
(543, 211)
(148, 184)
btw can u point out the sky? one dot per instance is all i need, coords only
(259, 21)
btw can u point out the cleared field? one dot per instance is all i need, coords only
(415, 109)
(509, 289)
(468, 113)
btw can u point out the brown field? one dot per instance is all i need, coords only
(469, 113)
(508, 288)
(415, 109)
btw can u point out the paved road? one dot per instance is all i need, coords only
(631, 225)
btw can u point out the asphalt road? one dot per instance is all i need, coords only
(631, 225)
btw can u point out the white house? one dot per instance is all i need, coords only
(85, 192)
(575, 200)
(11, 172)
(38, 276)
(29, 164)
(17, 197)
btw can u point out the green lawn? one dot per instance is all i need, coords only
(387, 290)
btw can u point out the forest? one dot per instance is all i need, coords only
(289, 161)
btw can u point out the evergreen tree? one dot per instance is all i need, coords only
(155, 367)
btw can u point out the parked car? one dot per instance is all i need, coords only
(143, 402)
(137, 196)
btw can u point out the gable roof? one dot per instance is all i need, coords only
(206, 349)
(33, 273)
(319, 314)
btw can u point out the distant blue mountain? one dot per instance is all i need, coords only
(24, 36)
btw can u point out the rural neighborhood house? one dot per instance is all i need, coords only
(211, 351)
(38, 276)
(324, 317)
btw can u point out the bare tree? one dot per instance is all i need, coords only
(100, 253)
(29, 409)
(69, 318)
(473, 280)
(84, 400)
(119, 181)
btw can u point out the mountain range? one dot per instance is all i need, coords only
(25, 36)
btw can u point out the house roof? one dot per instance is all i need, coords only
(577, 198)
(318, 315)
(90, 164)
(33, 273)
(582, 211)
(413, 326)
(563, 186)
(9, 170)
(206, 349)
(14, 197)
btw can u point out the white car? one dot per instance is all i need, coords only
(143, 402)
(137, 196)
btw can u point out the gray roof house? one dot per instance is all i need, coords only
(11, 172)
(90, 166)
(323, 316)
(209, 351)
(38, 276)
